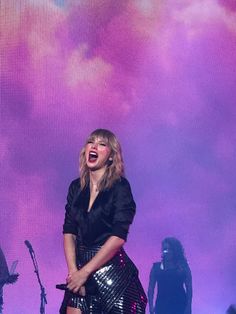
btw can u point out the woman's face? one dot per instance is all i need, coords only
(97, 153)
(166, 251)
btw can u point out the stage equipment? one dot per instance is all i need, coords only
(36, 270)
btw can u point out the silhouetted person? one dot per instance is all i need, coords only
(231, 309)
(172, 276)
(5, 277)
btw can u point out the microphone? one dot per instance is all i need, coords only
(62, 286)
(29, 246)
(165, 254)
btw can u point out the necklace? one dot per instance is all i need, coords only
(94, 186)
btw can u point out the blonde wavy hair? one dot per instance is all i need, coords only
(114, 169)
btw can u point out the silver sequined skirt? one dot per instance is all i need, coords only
(114, 288)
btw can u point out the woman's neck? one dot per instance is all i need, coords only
(96, 176)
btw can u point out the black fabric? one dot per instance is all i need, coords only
(70, 225)
(171, 297)
(111, 213)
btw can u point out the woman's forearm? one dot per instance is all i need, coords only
(107, 251)
(189, 296)
(76, 279)
(70, 252)
(150, 301)
(151, 288)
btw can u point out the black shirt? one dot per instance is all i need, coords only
(171, 295)
(111, 213)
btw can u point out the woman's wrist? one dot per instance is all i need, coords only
(72, 270)
(86, 270)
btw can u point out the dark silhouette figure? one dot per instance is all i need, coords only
(5, 277)
(173, 279)
(231, 309)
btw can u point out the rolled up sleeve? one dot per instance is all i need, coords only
(124, 209)
(70, 225)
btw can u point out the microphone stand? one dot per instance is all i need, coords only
(36, 270)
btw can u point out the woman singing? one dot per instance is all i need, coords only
(100, 208)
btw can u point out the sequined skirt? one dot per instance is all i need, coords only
(114, 288)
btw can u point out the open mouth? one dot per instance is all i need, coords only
(93, 156)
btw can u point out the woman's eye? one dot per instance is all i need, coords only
(102, 144)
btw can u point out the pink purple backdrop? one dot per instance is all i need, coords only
(161, 75)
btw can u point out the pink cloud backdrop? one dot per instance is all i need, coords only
(161, 75)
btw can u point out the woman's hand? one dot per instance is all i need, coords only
(76, 280)
(82, 291)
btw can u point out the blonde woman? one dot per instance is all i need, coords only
(100, 208)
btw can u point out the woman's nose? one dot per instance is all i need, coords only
(94, 145)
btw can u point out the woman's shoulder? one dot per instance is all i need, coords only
(185, 267)
(75, 181)
(75, 184)
(122, 187)
(157, 264)
(121, 182)
(156, 267)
